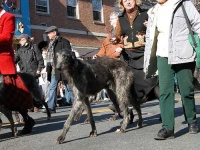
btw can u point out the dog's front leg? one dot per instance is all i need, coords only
(93, 133)
(77, 104)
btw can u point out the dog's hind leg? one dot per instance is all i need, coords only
(36, 93)
(28, 122)
(113, 99)
(17, 116)
(35, 90)
(125, 120)
(8, 114)
(138, 109)
(38, 96)
(80, 111)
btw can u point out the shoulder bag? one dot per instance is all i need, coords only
(193, 39)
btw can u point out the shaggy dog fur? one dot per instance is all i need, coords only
(88, 78)
(36, 93)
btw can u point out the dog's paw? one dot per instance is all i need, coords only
(87, 121)
(60, 140)
(139, 125)
(93, 133)
(113, 118)
(77, 117)
(14, 132)
(120, 131)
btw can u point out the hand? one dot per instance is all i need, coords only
(38, 72)
(145, 23)
(94, 57)
(119, 49)
(114, 40)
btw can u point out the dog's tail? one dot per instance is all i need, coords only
(35, 91)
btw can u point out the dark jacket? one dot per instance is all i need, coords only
(135, 57)
(60, 43)
(30, 59)
(137, 26)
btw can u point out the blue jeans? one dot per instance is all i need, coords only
(69, 94)
(52, 93)
(103, 94)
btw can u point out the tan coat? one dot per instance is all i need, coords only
(108, 49)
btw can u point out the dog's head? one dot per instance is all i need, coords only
(65, 59)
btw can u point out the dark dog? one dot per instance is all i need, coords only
(36, 93)
(88, 78)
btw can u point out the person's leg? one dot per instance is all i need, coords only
(166, 85)
(52, 93)
(103, 93)
(69, 94)
(185, 81)
(166, 99)
(47, 89)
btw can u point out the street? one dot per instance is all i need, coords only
(45, 132)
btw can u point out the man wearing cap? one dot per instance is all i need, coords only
(56, 43)
(29, 56)
(31, 60)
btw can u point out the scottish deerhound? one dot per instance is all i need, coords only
(36, 93)
(89, 77)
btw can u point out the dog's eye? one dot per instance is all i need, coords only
(63, 56)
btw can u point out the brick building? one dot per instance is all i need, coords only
(85, 23)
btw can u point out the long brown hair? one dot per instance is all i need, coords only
(121, 6)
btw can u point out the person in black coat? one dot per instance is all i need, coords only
(30, 60)
(55, 44)
(29, 56)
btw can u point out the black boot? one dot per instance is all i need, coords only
(164, 134)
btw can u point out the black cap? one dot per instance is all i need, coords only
(23, 36)
(51, 28)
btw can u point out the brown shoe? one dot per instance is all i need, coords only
(36, 109)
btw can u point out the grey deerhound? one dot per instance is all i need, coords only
(88, 78)
(35, 91)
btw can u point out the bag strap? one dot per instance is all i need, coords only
(189, 26)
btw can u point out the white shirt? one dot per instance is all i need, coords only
(43, 77)
(164, 15)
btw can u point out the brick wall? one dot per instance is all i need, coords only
(58, 17)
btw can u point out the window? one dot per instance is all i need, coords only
(97, 10)
(42, 6)
(13, 6)
(72, 8)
